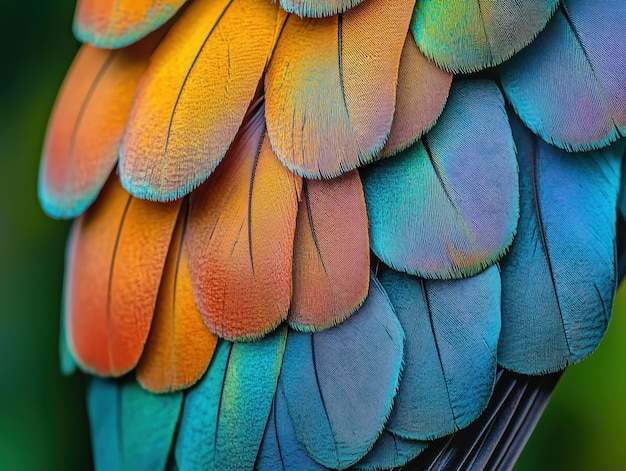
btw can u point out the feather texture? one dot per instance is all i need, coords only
(420, 97)
(390, 451)
(331, 253)
(179, 346)
(194, 95)
(451, 330)
(87, 125)
(317, 8)
(466, 36)
(339, 383)
(569, 86)
(325, 77)
(225, 416)
(280, 449)
(131, 429)
(195, 440)
(118, 23)
(240, 242)
(116, 254)
(448, 206)
(565, 244)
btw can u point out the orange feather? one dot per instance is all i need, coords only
(194, 95)
(331, 87)
(240, 240)
(421, 95)
(179, 347)
(118, 23)
(117, 250)
(331, 253)
(87, 125)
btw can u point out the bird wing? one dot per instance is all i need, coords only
(335, 234)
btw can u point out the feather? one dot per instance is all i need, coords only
(463, 36)
(225, 415)
(113, 24)
(194, 95)
(339, 383)
(249, 389)
(179, 346)
(195, 441)
(569, 85)
(240, 238)
(420, 97)
(325, 78)
(451, 329)
(317, 8)
(87, 125)
(132, 429)
(390, 451)
(448, 206)
(565, 245)
(116, 255)
(331, 253)
(280, 450)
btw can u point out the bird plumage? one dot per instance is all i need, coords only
(323, 234)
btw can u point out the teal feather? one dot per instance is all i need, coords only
(225, 415)
(195, 441)
(317, 8)
(451, 329)
(249, 389)
(462, 36)
(340, 383)
(390, 451)
(132, 429)
(447, 207)
(569, 85)
(559, 278)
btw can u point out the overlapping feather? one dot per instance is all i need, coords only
(448, 205)
(116, 255)
(194, 95)
(566, 245)
(260, 245)
(569, 85)
(87, 125)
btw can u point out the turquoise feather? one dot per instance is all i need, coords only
(226, 414)
(462, 36)
(195, 442)
(451, 329)
(132, 429)
(559, 278)
(340, 383)
(568, 85)
(447, 207)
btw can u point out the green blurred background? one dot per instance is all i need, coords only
(43, 423)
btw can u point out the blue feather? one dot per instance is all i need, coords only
(559, 278)
(448, 205)
(568, 85)
(339, 383)
(280, 450)
(451, 332)
(132, 429)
